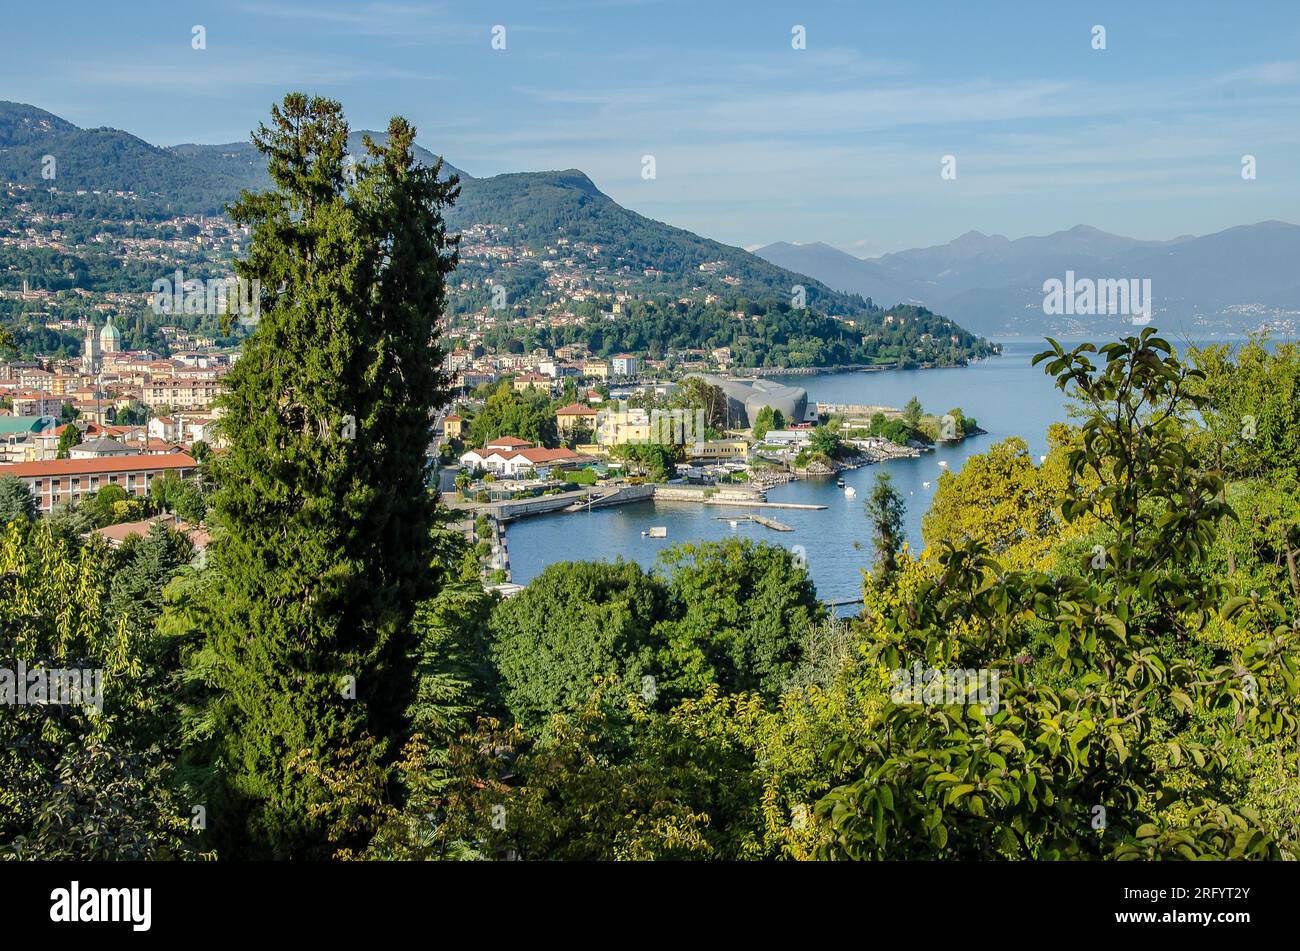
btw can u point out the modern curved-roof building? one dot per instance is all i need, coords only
(746, 398)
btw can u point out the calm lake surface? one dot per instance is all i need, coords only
(1006, 395)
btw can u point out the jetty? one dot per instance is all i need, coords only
(771, 523)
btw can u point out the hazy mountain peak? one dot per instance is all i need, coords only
(994, 286)
(21, 123)
(973, 237)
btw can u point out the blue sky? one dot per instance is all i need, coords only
(753, 141)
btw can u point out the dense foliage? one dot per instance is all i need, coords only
(1094, 656)
(322, 547)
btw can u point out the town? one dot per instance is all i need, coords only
(114, 374)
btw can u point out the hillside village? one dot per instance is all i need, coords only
(120, 349)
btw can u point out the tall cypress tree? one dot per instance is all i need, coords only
(323, 545)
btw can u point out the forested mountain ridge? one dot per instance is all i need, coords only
(194, 179)
(552, 239)
(537, 206)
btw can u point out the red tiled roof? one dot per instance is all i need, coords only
(536, 456)
(508, 441)
(575, 409)
(109, 464)
(124, 530)
(533, 456)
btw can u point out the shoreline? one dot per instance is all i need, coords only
(749, 373)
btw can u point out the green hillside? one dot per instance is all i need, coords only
(692, 292)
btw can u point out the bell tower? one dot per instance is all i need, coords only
(90, 353)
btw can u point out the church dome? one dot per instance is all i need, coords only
(110, 340)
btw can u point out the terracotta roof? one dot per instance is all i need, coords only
(575, 409)
(507, 441)
(124, 530)
(546, 455)
(109, 464)
(534, 455)
(91, 429)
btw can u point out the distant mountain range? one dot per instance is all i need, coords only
(197, 179)
(536, 206)
(1234, 279)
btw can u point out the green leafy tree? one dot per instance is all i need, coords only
(92, 780)
(323, 542)
(768, 419)
(574, 622)
(1104, 738)
(825, 441)
(681, 785)
(885, 511)
(102, 507)
(70, 437)
(147, 564)
(695, 393)
(739, 615)
(16, 501)
(656, 461)
(528, 416)
(1003, 500)
(912, 412)
(190, 502)
(954, 425)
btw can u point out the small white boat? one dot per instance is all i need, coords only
(943, 463)
(1042, 459)
(734, 523)
(659, 531)
(926, 484)
(850, 492)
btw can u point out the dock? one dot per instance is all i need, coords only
(765, 522)
(804, 506)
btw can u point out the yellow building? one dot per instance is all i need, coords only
(623, 426)
(528, 381)
(576, 417)
(453, 427)
(719, 449)
(597, 369)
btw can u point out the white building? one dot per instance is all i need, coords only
(787, 437)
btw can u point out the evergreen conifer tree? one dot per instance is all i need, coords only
(322, 515)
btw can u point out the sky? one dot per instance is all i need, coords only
(753, 140)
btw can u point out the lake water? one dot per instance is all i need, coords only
(1006, 395)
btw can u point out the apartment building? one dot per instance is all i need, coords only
(180, 393)
(69, 480)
